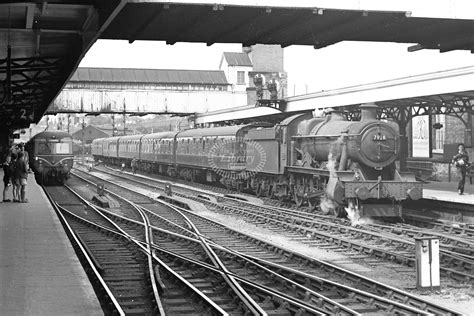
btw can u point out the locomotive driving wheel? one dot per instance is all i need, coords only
(299, 199)
(260, 190)
(299, 192)
(282, 193)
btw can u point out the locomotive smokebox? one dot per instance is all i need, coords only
(368, 111)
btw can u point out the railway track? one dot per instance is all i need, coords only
(215, 281)
(351, 291)
(114, 261)
(445, 228)
(379, 241)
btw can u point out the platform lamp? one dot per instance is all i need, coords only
(68, 122)
(113, 125)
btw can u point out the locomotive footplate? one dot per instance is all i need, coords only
(396, 190)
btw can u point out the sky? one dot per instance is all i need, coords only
(309, 70)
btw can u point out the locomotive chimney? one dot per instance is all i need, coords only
(368, 111)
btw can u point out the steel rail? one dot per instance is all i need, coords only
(120, 231)
(303, 215)
(143, 244)
(376, 300)
(254, 261)
(259, 287)
(416, 231)
(350, 243)
(201, 239)
(466, 229)
(345, 272)
(239, 291)
(109, 295)
(230, 280)
(333, 268)
(151, 271)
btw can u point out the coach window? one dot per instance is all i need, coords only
(43, 149)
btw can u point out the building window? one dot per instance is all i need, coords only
(240, 77)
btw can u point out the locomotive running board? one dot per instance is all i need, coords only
(303, 170)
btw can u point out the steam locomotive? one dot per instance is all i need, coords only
(303, 158)
(50, 156)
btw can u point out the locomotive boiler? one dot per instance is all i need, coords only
(50, 156)
(356, 161)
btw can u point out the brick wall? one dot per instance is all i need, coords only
(266, 57)
(455, 130)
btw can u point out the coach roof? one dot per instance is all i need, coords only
(51, 134)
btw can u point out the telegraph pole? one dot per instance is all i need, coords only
(113, 125)
(83, 138)
(124, 119)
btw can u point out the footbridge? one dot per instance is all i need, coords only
(42, 42)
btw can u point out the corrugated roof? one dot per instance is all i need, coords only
(131, 75)
(237, 59)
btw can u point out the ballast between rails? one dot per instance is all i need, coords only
(84, 254)
(383, 302)
(384, 288)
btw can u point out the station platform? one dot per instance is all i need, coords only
(39, 271)
(447, 191)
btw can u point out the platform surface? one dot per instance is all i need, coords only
(39, 271)
(448, 191)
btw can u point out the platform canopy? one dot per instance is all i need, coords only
(287, 23)
(41, 43)
(49, 38)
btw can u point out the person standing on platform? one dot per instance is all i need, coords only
(21, 147)
(134, 165)
(6, 177)
(14, 179)
(22, 174)
(461, 161)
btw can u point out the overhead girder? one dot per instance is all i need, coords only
(402, 112)
(47, 41)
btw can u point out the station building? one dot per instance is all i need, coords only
(433, 142)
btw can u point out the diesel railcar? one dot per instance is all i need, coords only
(50, 156)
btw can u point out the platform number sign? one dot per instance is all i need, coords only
(26, 114)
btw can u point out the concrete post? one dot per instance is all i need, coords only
(427, 263)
